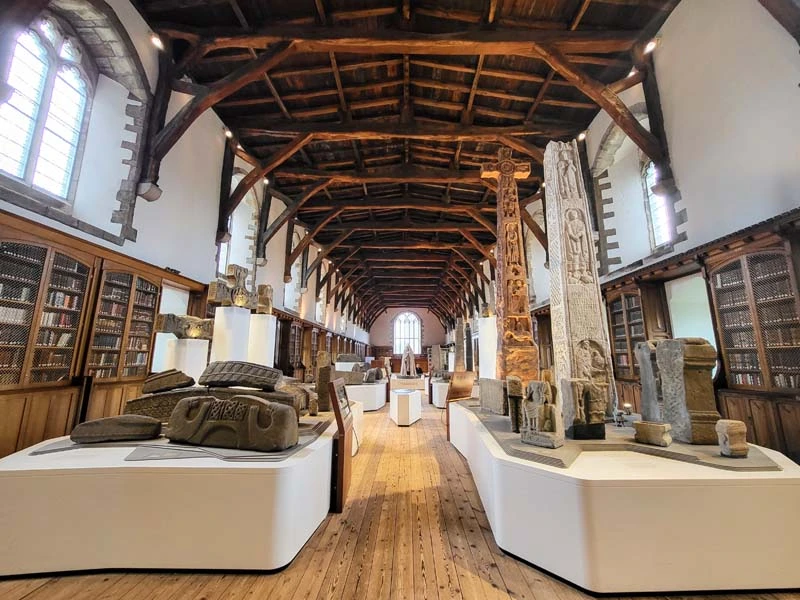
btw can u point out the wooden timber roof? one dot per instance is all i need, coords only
(372, 117)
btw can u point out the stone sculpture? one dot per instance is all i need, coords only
(408, 365)
(515, 397)
(324, 377)
(436, 359)
(232, 291)
(184, 326)
(237, 373)
(541, 417)
(243, 422)
(492, 396)
(459, 345)
(166, 380)
(470, 365)
(116, 429)
(654, 434)
(732, 436)
(359, 368)
(677, 387)
(517, 352)
(580, 340)
(323, 358)
(351, 358)
(373, 375)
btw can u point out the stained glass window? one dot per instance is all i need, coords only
(407, 331)
(657, 209)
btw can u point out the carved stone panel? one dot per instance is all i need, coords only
(581, 348)
(459, 354)
(492, 396)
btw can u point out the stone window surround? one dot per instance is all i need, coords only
(108, 44)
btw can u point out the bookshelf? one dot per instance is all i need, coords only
(122, 336)
(756, 305)
(626, 320)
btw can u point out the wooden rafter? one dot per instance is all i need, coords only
(292, 208)
(307, 239)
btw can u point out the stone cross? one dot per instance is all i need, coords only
(184, 326)
(581, 350)
(459, 339)
(517, 353)
(470, 366)
(233, 291)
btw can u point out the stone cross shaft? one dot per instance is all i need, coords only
(517, 354)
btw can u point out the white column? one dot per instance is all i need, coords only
(231, 333)
(487, 341)
(261, 340)
(187, 355)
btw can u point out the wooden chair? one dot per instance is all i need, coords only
(342, 471)
(460, 388)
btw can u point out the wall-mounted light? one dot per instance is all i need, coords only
(156, 41)
(228, 133)
(651, 45)
(266, 180)
(581, 136)
(633, 72)
(239, 147)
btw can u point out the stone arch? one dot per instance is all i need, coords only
(116, 57)
(612, 140)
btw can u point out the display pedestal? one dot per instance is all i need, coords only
(406, 407)
(187, 355)
(159, 514)
(676, 526)
(346, 367)
(487, 343)
(371, 395)
(231, 333)
(261, 340)
(414, 383)
(439, 390)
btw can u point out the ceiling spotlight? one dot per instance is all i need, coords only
(156, 41)
(651, 45)
(228, 133)
(633, 72)
(543, 184)
(239, 147)
(581, 136)
(266, 180)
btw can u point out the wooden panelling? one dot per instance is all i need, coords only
(12, 409)
(629, 392)
(764, 421)
(109, 400)
(789, 416)
(48, 414)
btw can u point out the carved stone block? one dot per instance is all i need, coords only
(243, 422)
(684, 372)
(264, 299)
(492, 396)
(116, 429)
(459, 345)
(323, 359)
(515, 396)
(584, 409)
(348, 358)
(166, 380)
(349, 377)
(373, 375)
(654, 434)
(541, 417)
(732, 437)
(652, 401)
(359, 368)
(237, 373)
(324, 377)
(184, 326)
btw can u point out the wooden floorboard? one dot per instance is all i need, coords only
(413, 527)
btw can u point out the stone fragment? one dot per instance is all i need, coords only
(349, 377)
(732, 437)
(166, 380)
(373, 375)
(294, 387)
(359, 368)
(541, 416)
(470, 363)
(323, 358)
(492, 396)
(237, 373)
(184, 326)
(437, 364)
(677, 387)
(515, 396)
(348, 358)
(243, 422)
(581, 347)
(324, 377)
(654, 434)
(116, 429)
(459, 346)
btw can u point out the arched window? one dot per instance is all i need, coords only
(322, 296)
(291, 290)
(657, 209)
(42, 122)
(407, 331)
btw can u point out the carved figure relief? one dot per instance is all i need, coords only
(567, 174)
(509, 207)
(517, 296)
(233, 290)
(578, 247)
(512, 244)
(264, 300)
(184, 326)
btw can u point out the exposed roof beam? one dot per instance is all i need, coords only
(404, 174)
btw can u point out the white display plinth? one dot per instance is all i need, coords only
(487, 344)
(439, 390)
(451, 361)
(261, 340)
(345, 366)
(405, 407)
(231, 333)
(415, 383)
(358, 424)
(187, 355)
(674, 525)
(160, 514)
(371, 395)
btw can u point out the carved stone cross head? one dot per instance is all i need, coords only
(233, 290)
(506, 167)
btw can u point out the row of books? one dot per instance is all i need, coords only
(57, 319)
(14, 316)
(61, 300)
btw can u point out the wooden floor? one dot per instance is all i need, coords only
(413, 527)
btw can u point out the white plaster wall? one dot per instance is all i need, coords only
(432, 330)
(102, 169)
(536, 259)
(689, 308)
(139, 33)
(179, 229)
(272, 272)
(598, 126)
(729, 92)
(175, 301)
(630, 218)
